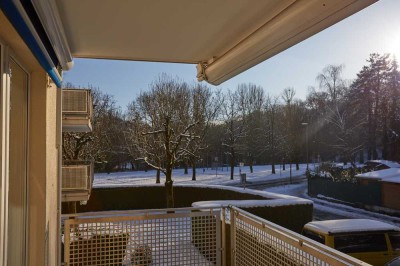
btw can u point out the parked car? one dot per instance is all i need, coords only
(371, 241)
(375, 165)
(394, 262)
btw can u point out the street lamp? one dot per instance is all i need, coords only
(306, 125)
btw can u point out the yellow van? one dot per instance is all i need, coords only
(371, 241)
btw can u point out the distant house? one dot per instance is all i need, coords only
(389, 180)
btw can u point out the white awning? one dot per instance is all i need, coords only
(223, 37)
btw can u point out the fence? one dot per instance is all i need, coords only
(189, 236)
(345, 191)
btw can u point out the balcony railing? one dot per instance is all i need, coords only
(188, 236)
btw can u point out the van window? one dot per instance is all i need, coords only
(314, 236)
(360, 243)
(395, 240)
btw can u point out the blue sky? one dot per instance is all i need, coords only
(375, 29)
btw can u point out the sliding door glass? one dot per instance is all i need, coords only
(17, 193)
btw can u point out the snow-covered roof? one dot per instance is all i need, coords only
(388, 175)
(349, 225)
(390, 164)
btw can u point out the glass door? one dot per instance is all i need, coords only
(18, 148)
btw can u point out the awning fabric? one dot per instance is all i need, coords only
(223, 38)
(23, 19)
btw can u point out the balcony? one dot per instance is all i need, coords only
(77, 180)
(77, 110)
(188, 236)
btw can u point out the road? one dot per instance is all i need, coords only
(324, 210)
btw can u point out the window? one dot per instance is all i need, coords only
(395, 240)
(361, 243)
(18, 148)
(314, 236)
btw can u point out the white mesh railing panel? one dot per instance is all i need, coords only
(258, 242)
(181, 238)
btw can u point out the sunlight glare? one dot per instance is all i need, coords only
(394, 45)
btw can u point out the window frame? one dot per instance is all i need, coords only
(6, 55)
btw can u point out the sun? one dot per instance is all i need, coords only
(394, 44)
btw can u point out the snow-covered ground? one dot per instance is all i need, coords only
(324, 208)
(208, 176)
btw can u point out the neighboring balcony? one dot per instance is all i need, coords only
(77, 180)
(77, 110)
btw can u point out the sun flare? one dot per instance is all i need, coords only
(394, 44)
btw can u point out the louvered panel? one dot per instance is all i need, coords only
(75, 101)
(75, 177)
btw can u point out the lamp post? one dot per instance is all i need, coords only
(306, 125)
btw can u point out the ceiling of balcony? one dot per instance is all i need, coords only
(187, 31)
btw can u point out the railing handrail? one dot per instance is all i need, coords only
(300, 239)
(144, 211)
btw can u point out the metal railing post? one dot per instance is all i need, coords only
(233, 236)
(223, 237)
(67, 240)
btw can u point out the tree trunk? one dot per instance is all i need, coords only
(232, 170)
(361, 155)
(251, 166)
(186, 168)
(385, 140)
(169, 189)
(273, 159)
(290, 176)
(297, 166)
(283, 166)
(194, 171)
(158, 176)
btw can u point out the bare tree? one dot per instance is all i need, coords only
(205, 106)
(253, 102)
(347, 141)
(232, 112)
(330, 80)
(104, 145)
(239, 108)
(168, 118)
(293, 117)
(270, 131)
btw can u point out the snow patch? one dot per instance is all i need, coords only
(349, 225)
